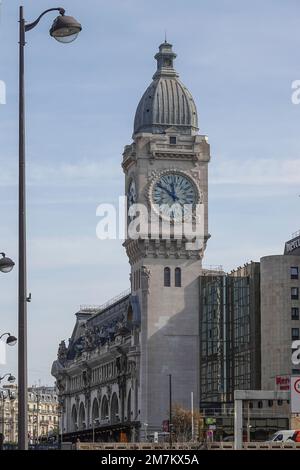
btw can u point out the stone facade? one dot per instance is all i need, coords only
(43, 417)
(160, 337)
(166, 142)
(97, 374)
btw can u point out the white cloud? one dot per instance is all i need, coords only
(255, 171)
(81, 173)
(66, 252)
(250, 171)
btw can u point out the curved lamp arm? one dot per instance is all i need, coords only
(4, 333)
(5, 375)
(32, 25)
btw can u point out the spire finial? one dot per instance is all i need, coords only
(165, 58)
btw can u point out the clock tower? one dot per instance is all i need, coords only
(166, 185)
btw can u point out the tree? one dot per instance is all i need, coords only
(182, 424)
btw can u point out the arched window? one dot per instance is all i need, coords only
(104, 408)
(129, 406)
(82, 423)
(177, 277)
(95, 411)
(74, 424)
(167, 277)
(114, 415)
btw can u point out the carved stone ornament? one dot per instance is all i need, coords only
(62, 352)
(86, 377)
(108, 390)
(145, 278)
(77, 400)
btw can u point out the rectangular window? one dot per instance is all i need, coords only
(294, 272)
(167, 277)
(173, 140)
(295, 334)
(295, 313)
(295, 293)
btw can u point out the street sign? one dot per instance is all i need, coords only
(210, 420)
(295, 394)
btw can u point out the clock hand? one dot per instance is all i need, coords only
(165, 189)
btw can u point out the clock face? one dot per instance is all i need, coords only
(175, 194)
(131, 194)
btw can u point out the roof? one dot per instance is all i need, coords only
(166, 102)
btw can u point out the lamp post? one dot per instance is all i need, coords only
(170, 410)
(64, 29)
(6, 264)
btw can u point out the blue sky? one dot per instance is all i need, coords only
(238, 59)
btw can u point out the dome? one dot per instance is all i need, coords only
(166, 102)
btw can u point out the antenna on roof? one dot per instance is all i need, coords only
(165, 36)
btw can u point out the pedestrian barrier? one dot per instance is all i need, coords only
(113, 446)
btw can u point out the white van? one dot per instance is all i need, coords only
(282, 436)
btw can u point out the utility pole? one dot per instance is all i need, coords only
(2, 396)
(192, 410)
(248, 422)
(37, 417)
(170, 410)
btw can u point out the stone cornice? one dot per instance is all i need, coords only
(160, 248)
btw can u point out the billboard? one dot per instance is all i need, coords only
(292, 247)
(295, 394)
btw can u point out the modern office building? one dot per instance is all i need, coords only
(280, 320)
(248, 321)
(229, 334)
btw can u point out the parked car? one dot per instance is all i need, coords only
(283, 436)
(296, 436)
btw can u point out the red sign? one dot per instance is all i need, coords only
(297, 386)
(283, 383)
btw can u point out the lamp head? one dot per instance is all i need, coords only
(65, 29)
(11, 340)
(6, 264)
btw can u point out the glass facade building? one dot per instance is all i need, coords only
(229, 334)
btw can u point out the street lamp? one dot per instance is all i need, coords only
(11, 340)
(6, 264)
(11, 379)
(64, 29)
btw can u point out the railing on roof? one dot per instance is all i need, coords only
(211, 267)
(296, 234)
(100, 308)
